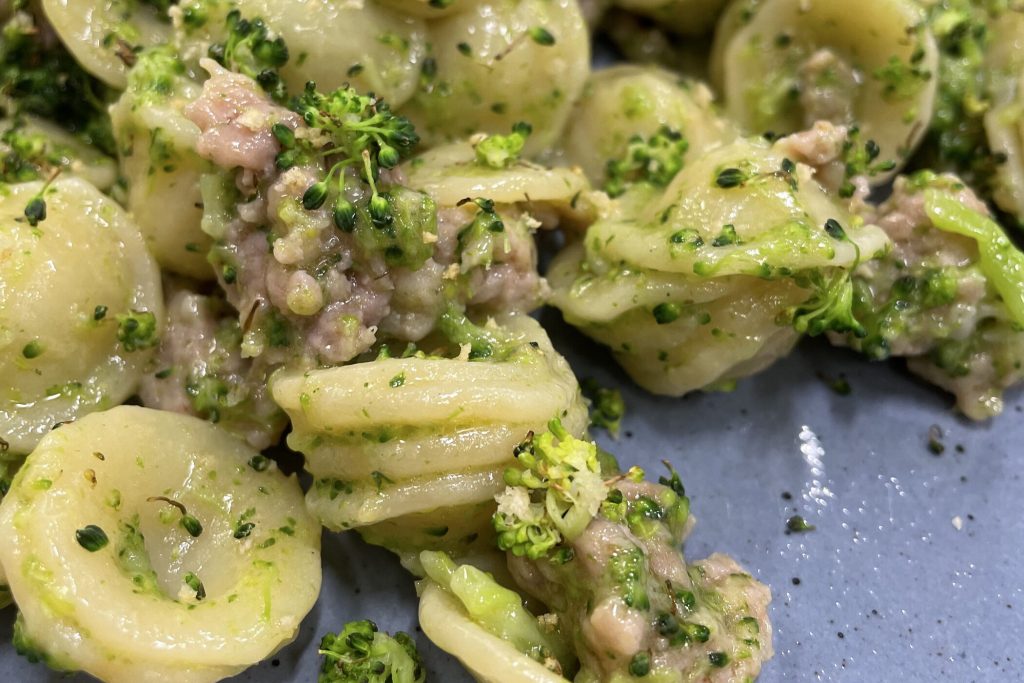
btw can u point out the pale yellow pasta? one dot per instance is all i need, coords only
(501, 62)
(1004, 122)
(332, 43)
(623, 101)
(63, 286)
(395, 437)
(111, 580)
(100, 33)
(156, 145)
(449, 173)
(491, 660)
(690, 287)
(786, 64)
(75, 156)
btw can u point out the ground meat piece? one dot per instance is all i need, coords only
(201, 372)
(235, 117)
(628, 592)
(821, 148)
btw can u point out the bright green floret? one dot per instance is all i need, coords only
(136, 330)
(156, 74)
(830, 307)
(501, 151)
(552, 495)
(362, 654)
(606, 406)
(361, 135)
(251, 49)
(655, 160)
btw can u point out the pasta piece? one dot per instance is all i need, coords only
(712, 279)
(626, 101)
(450, 173)
(61, 150)
(100, 33)
(1004, 123)
(80, 307)
(157, 149)
(400, 436)
(789, 64)
(382, 51)
(501, 62)
(148, 546)
(428, 9)
(444, 620)
(687, 17)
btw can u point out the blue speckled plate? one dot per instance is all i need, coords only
(912, 574)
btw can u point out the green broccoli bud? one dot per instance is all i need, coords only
(35, 211)
(552, 496)
(344, 215)
(1000, 261)
(136, 330)
(654, 161)
(606, 406)
(501, 151)
(628, 570)
(860, 160)
(360, 653)
(314, 196)
(251, 49)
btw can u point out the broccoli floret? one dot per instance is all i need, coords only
(860, 160)
(42, 78)
(485, 343)
(501, 151)
(476, 239)
(606, 406)
(136, 330)
(358, 132)
(362, 654)
(552, 495)
(655, 160)
(251, 49)
(830, 307)
(156, 74)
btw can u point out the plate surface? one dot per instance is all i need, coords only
(886, 588)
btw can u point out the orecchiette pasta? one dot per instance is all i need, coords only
(102, 34)
(80, 308)
(692, 288)
(71, 154)
(157, 149)
(444, 620)
(786, 64)
(1004, 123)
(502, 62)
(450, 173)
(398, 436)
(459, 611)
(149, 546)
(624, 101)
(382, 51)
